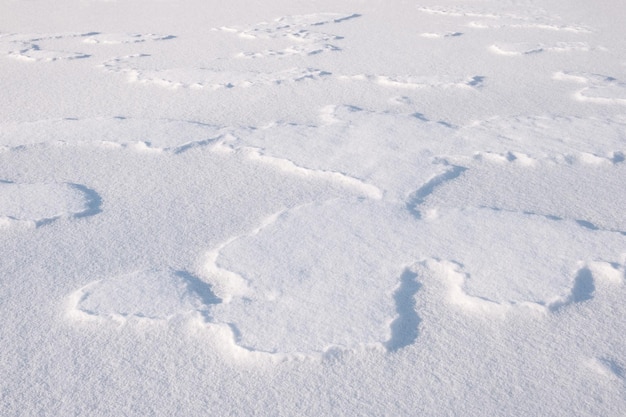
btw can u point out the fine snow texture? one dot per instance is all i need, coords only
(313, 208)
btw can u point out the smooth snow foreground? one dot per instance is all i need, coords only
(313, 208)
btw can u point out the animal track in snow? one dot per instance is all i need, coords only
(303, 29)
(207, 78)
(40, 204)
(153, 295)
(598, 89)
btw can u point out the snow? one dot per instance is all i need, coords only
(312, 208)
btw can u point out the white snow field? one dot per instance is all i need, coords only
(313, 208)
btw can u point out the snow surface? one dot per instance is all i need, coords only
(313, 208)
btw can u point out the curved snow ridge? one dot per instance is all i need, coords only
(439, 35)
(585, 224)
(207, 78)
(229, 284)
(529, 19)
(33, 53)
(515, 24)
(33, 47)
(295, 26)
(39, 204)
(269, 294)
(599, 89)
(508, 157)
(152, 295)
(590, 278)
(418, 197)
(292, 320)
(383, 154)
(160, 135)
(486, 243)
(223, 338)
(367, 190)
(87, 37)
(28, 47)
(461, 12)
(590, 159)
(528, 48)
(285, 304)
(543, 199)
(294, 50)
(586, 281)
(302, 29)
(550, 136)
(541, 186)
(418, 82)
(124, 38)
(610, 367)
